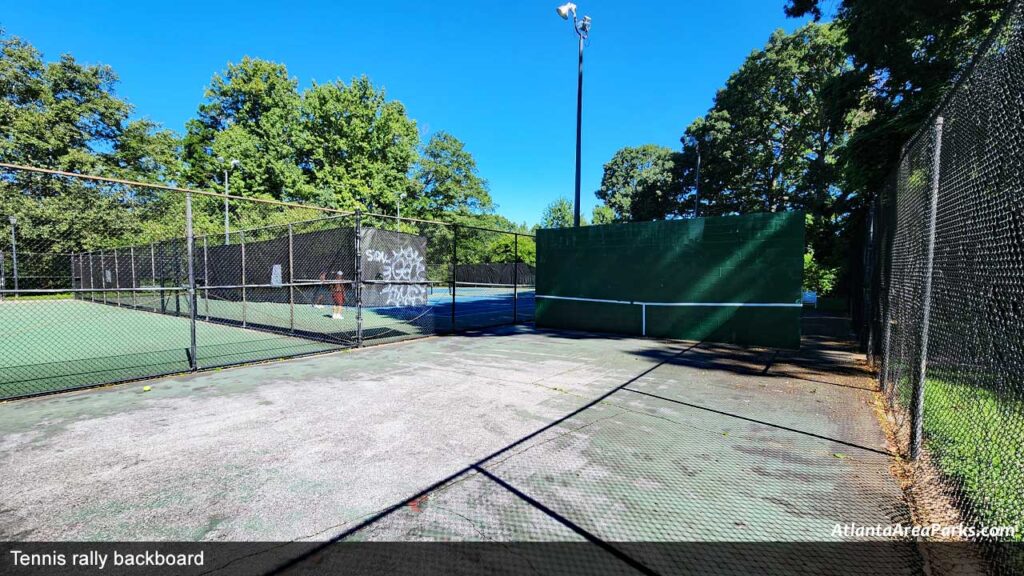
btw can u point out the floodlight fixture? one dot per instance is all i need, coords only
(565, 9)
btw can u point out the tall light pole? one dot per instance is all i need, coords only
(696, 188)
(582, 28)
(227, 223)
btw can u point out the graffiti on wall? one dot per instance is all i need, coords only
(404, 265)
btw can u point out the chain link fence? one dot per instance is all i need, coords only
(162, 288)
(944, 299)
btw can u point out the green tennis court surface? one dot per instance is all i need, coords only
(60, 344)
(52, 345)
(630, 440)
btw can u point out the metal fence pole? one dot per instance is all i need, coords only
(152, 271)
(455, 263)
(193, 363)
(71, 259)
(103, 275)
(14, 253)
(241, 238)
(871, 261)
(177, 281)
(92, 280)
(883, 372)
(515, 278)
(135, 284)
(206, 278)
(359, 278)
(917, 407)
(117, 279)
(291, 281)
(3, 279)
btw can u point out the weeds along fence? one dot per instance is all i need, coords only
(147, 282)
(945, 259)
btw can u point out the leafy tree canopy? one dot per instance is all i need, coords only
(772, 139)
(447, 179)
(357, 147)
(906, 55)
(251, 114)
(65, 115)
(641, 183)
(602, 214)
(559, 214)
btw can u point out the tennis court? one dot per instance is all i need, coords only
(61, 344)
(475, 305)
(500, 435)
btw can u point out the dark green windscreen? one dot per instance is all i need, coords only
(757, 258)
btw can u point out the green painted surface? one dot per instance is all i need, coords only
(52, 345)
(63, 344)
(755, 258)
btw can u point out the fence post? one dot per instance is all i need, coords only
(131, 256)
(515, 278)
(92, 280)
(152, 271)
(117, 279)
(14, 253)
(455, 263)
(865, 255)
(206, 278)
(3, 280)
(359, 278)
(291, 281)
(241, 239)
(193, 363)
(81, 277)
(917, 407)
(868, 306)
(103, 275)
(178, 280)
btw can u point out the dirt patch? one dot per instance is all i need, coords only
(928, 499)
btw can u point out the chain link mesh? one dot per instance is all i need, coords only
(95, 307)
(961, 344)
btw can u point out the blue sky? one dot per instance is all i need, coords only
(501, 76)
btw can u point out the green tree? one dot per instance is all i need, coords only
(770, 141)
(641, 183)
(448, 179)
(504, 249)
(775, 136)
(65, 115)
(905, 56)
(818, 278)
(358, 148)
(602, 214)
(251, 113)
(559, 214)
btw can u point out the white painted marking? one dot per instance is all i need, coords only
(641, 303)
